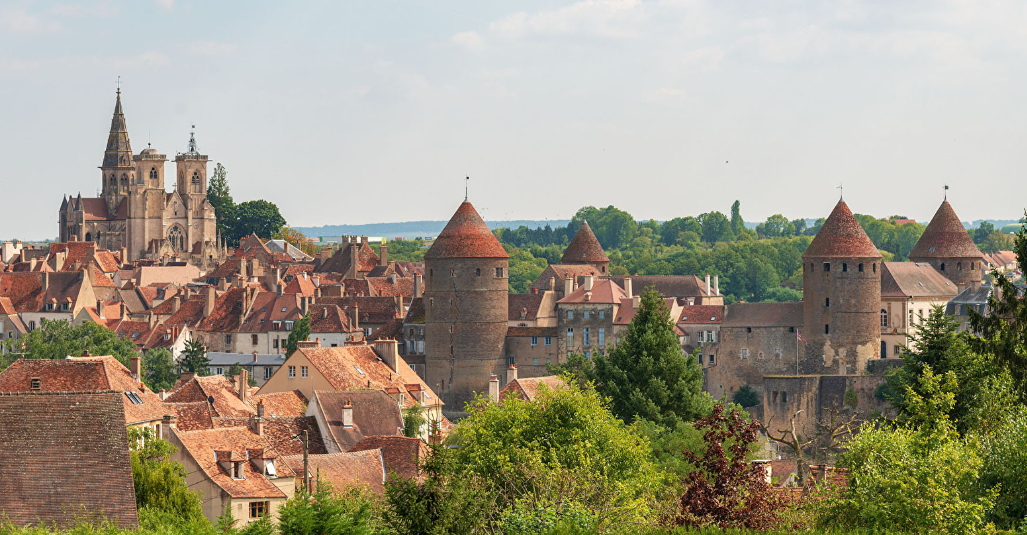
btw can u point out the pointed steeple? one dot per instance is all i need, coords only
(584, 248)
(466, 236)
(119, 151)
(841, 236)
(945, 237)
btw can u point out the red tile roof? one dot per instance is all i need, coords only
(292, 403)
(374, 413)
(668, 285)
(191, 416)
(225, 394)
(604, 291)
(528, 387)
(584, 248)
(203, 446)
(701, 314)
(329, 318)
(466, 236)
(531, 331)
(763, 315)
(385, 287)
(343, 470)
(375, 310)
(945, 237)
(527, 304)
(63, 457)
(841, 236)
(402, 454)
(915, 279)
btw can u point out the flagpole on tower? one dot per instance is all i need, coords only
(466, 181)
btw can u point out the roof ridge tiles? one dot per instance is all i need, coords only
(841, 236)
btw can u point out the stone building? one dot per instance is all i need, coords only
(135, 212)
(946, 245)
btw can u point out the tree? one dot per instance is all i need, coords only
(647, 375)
(159, 481)
(300, 332)
(727, 491)
(325, 512)
(57, 339)
(159, 369)
(737, 224)
(746, 397)
(982, 232)
(219, 195)
(775, 226)
(715, 227)
(413, 419)
(1005, 468)
(258, 217)
(297, 239)
(194, 358)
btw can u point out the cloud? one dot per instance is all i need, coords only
(100, 9)
(594, 18)
(468, 40)
(17, 19)
(704, 58)
(166, 5)
(209, 48)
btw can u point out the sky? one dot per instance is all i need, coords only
(346, 112)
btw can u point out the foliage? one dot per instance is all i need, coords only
(219, 195)
(715, 227)
(194, 357)
(727, 490)
(159, 481)
(613, 228)
(667, 443)
(57, 339)
(300, 332)
(892, 237)
(647, 375)
(159, 369)
(326, 513)
(413, 419)
(578, 369)
(258, 217)
(564, 446)
(297, 239)
(1005, 469)
(737, 224)
(524, 269)
(440, 502)
(746, 397)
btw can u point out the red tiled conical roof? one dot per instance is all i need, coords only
(841, 236)
(584, 248)
(945, 237)
(466, 236)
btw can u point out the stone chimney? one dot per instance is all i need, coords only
(243, 382)
(494, 388)
(388, 350)
(136, 367)
(708, 288)
(356, 317)
(568, 286)
(383, 254)
(124, 255)
(186, 376)
(152, 319)
(176, 303)
(122, 309)
(628, 289)
(46, 280)
(589, 281)
(166, 422)
(511, 374)
(347, 414)
(242, 271)
(354, 261)
(552, 284)
(100, 310)
(257, 421)
(636, 301)
(716, 284)
(417, 285)
(208, 307)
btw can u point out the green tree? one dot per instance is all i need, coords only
(715, 227)
(647, 375)
(746, 397)
(159, 369)
(1005, 468)
(737, 224)
(194, 357)
(982, 232)
(300, 332)
(775, 226)
(57, 339)
(159, 481)
(613, 228)
(325, 512)
(258, 217)
(413, 419)
(219, 195)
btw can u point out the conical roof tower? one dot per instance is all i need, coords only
(585, 248)
(466, 236)
(119, 150)
(841, 236)
(946, 245)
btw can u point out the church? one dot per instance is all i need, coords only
(135, 213)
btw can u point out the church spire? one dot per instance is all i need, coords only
(119, 151)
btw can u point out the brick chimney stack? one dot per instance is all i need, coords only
(136, 367)
(243, 380)
(511, 374)
(494, 388)
(347, 414)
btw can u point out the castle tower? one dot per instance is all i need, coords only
(841, 297)
(191, 167)
(585, 249)
(465, 301)
(947, 246)
(149, 167)
(117, 171)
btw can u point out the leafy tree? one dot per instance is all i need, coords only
(194, 357)
(524, 269)
(982, 232)
(737, 224)
(715, 227)
(775, 226)
(298, 240)
(258, 217)
(1005, 468)
(57, 339)
(578, 369)
(647, 375)
(746, 397)
(159, 369)
(613, 228)
(300, 332)
(667, 443)
(159, 481)
(413, 419)
(326, 513)
(234, 370)
(219, 195)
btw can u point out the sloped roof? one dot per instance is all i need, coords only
(292, 403)
(530, 331)
(343, 470)
(527, 303)
(841, 236)
(64, 456)
(415, 314)
(119, 151)
(604, 291)
(945, 237)
(466, 236)
(763, 315)
(668, 285)
(915, 279)
(584, 248)
(225, 394)
(708, 314)
(367, 259)
(528, 387)
(202, 445)
(626, 312)
(374, 413)
(402, 454)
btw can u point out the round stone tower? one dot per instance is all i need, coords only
(585, 249)
(465, 302)
(841, 297)
(947, 246)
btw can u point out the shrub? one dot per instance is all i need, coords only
(746, 397)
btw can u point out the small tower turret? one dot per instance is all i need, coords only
(585, 249)
(946, 245)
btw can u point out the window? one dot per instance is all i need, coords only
(875, 267)
(303, 372)
(548, 341)
(153, 173)
(943, 266)
(228, 339)
(702, 336)
(570, 337)
(959, 266)
(827, 266)
(534, 362)
(588, 355)
(861, 267)
(700, 360)
(570, 314)
(602, 314)
(477, 272)
(534, 341)
(237, 472)
(288, 325)
(275, 343)
(587, 338)
(827, 329)
(602, 337)
(884, 318)
(292, 372)
(777, 353)
(910, 319)
(711, 336)
(827, 301)
(219, 371)
(845, 267)
(132, 396)
(268, 370)
(773, 397)
(258, 509)
(745, 353)
(254, 338)
(585, 315)
(971, 266)
(65, 307)
(784, 397)
(711, 359)
(898, 349)
(499, 272)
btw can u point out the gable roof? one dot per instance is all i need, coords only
(225, 394)
(604, 291)
(343, 470)
(707, 314)
(841, 236)
(374, 413)
(402, 455)
(466, 236)
(527, 303)
(63, 456)
(763, 315)
(584, 248)
(528, 387)
(202, 446)
(915, 279)
(668, 285)
(945, 237)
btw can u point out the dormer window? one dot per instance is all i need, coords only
(237, 472)
(65, 307)
(35, 383)
(49, 307)
(269, 468)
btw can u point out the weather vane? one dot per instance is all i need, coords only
(841, 192)
(946, 192)
(467, 180)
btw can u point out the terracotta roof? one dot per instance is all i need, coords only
(374, 413)
(584, 248)
(763, 315)
(300, 284)
(385, 287)
(329, 318)
(402, 454)
(415, 314)
(23, 289)
(841, 236)
(945, 237)
(528, 387)
(293, 270)
(267, 308)
(64, 456)
(203, 446)
(225, 316)
(626, 312)
(915, 279)
(225, 394)
(376, 310)
(466, 236)
(604, 291)
(668, 285)
(340, 261)
(531, 331)
(191, 416)
(292, 403)
(157, 275)
(708, 314)
(95, 209)
(281, 430)
(344, 470)
(523, 303)
(393, 330)
(107, 261)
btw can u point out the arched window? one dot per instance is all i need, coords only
(124, 182)
(845, 267)
(153, 173)
(943, 266)
(875, 267)
(114, 183)
(971, 266)
(196, 182)
(861, 267)
(89, 237)
(884, 318)
(959, 266)
(176, 238)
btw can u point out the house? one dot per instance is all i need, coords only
(64, 458)
(528, 388)
(260, 366)
(908, 292)
(342, 470)
(346, 418)
(402, 455)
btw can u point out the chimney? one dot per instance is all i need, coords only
(716, 284)
(186, 376)
(417, 285)
(100, 310)
(176, 303)
(152, 319)
(388, 350)
(257, 420)
(356, 317)
(208, 307)
(628, 289)
(552, 284)
(347, 414)
(136, 367)
(494, 388)
(304, 304)
(383, 254)
(32, 264)
(166, 422)
(708, 290)
(589, 281)
(534, 291)
(511, 374)
(254, 356)
(122, 310)
(242, 270)
(568, 286)
(243, 382)
(46, 280)
(124, 255)
(636, 301)
(354, 261)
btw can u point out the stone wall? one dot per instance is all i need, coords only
(815, 395)
(767, 350)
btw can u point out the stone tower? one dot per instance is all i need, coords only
(841, 297)
(585, 249)
(191, 167)
(117, 170)
(947, 246)
(465, 301)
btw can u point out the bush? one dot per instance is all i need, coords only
(746, 397)
(1005, 468)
